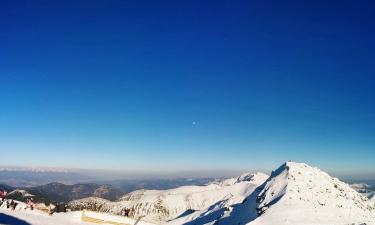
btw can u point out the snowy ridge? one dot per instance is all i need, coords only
(250, 177)
(315, 196)
(164, 205)
(294, 194)
(21, 192)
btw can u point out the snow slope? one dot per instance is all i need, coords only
(162, 205)
(36, 217)
(295, 194)
(310, 196)
(20, 216)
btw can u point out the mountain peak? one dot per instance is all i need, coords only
(301, 186)
(295, 193)
(256, 178)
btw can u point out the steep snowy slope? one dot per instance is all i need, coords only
(311, 196)
(295, 194)
(162, 205)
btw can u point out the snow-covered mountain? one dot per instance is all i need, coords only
(294, 194)
(163, 205)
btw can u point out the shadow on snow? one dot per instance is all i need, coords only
(240, 213)
(10, 220)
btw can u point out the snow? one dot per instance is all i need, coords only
(22, 192)
(360, 186)
(35, 217)
(294, 194)
(311, 196)
(162, 205)
(364, 189)
(256, 178)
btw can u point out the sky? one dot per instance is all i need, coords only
(187, 85)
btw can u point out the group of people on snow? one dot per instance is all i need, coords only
(10, 203)
(128, 212)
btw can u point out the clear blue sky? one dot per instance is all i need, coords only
(184, 85)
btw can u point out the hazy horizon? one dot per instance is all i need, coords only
(108, 174)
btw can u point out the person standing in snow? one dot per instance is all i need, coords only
(3, 195)
(12, 205)
(30, 204)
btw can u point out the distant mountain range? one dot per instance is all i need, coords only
(29, 177)
(60, 192)
(57, 192)
(129, 185)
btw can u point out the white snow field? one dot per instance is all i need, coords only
(160, 206)
(20, 216)
(294, 194)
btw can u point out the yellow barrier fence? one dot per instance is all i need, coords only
(85, 218)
